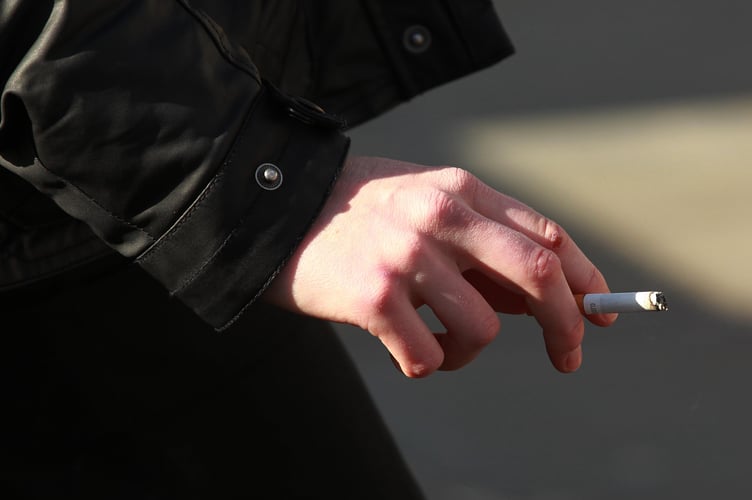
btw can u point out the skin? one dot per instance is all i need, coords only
(394, 236)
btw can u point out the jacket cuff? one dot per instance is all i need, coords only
(225, 250)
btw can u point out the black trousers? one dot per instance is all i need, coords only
(113, 390)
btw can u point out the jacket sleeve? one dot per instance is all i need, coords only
(411, 47)
(141, 119)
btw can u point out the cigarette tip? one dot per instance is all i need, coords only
(659, 301)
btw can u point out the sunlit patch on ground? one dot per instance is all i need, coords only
(667, 186)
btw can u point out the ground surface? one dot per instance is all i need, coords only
(629, 123)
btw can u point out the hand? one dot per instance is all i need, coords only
(394, 236)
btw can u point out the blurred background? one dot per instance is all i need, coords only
(630, 123)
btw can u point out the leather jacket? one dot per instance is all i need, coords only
(190, 137)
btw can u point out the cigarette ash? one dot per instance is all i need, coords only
(659, 301)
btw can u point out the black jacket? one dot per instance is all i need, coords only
(151, 124)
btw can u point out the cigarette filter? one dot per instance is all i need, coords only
(600, 303)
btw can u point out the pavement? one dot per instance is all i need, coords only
(631, 125)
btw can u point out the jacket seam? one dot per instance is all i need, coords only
(202, 267)
(292, 250)
(96, 203)
(149, 254)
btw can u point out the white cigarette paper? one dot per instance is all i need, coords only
(601, 303)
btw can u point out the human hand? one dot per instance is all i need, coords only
(394, 236)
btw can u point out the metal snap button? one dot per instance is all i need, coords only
(417, 39)
(268, 176)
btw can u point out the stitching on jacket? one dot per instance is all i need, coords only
(292, 251)
(200, 269)
(149, 254)
(185, 219)
(96, 203)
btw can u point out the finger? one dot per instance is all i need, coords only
(505, 255)
(470, 322)
(507, 299)
(407, 338)
(582, 275)
(555, 310)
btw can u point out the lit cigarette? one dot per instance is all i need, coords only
(600, 303)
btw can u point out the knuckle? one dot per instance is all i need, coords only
(443, 206)
(379, 298)
(392, 278)
(545, 266)
(554, 235)
(408, 253)
(443, 210)
(459, 181)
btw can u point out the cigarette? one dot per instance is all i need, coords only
(600, 303)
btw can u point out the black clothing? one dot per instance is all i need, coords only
(112, 391)
(142, 132)
(147, 120)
